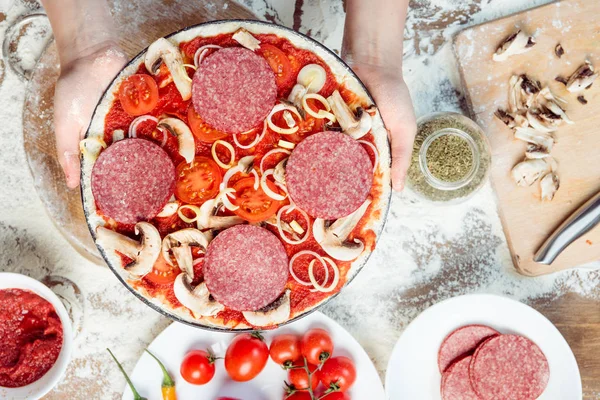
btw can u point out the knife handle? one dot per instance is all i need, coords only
(580, 222)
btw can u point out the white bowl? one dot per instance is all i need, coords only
(43, 385)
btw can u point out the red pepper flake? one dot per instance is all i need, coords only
(589, 242)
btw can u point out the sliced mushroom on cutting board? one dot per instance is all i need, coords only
(527, 219)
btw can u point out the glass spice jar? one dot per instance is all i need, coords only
(451, 158)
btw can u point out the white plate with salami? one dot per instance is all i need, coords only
(250, 134)
(175, 342)
(482, 346)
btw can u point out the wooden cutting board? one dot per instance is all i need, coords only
(527, 221)
(140, 23)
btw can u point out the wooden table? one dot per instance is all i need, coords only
(578, 319)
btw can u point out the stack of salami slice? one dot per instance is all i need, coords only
(479, 363)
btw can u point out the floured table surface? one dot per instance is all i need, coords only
(526, 219)
(141, 23)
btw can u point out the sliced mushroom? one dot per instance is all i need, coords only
(197, 299)
(208, 218)
(164, 51)
(287, 228)
(514, 94)
(582, 78)
(244, 38)
(279, 171)
(273, 314)
(505, 117)
(295, 97)
(543, 120)
(521, 121)
(556, 109)
(179, 244)
(559, 51)
(527, 172)
(522, 93)
(516, 43)
(530, 135)
(529, 89)
(546, 100)
(185, 138)
(333, 238)
(143, 253)
(535, 151)
(169, 209)
(549, 185)
(357, 125)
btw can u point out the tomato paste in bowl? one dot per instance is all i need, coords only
(31, 334)
(35, 337)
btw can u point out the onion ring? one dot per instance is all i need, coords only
(299, 254)
(268, 153)
(229, 147)
(266, 189)
(256, 179)
(321, 114)
(282, 233)
(134, 124)
(310, 272)
(199, 56)
(374, 152)
(281, 107)
(256, 140)
(185, 219)
(336, 277)
(224, 197)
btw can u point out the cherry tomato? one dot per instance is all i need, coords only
(198, 181)
(279, 62)
(162, 273)
(316, 346)
(285, 349)
(338, 372)
(335, 396)
(299, 378)
(198, 367)
(298, 396)
(138, 94)
(254, 205)
(246, 357)
(201, 130)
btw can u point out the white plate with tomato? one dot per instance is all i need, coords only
(248, 368)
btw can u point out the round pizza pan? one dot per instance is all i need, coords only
(342, 72)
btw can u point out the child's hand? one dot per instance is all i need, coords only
(393, 100)
(79, 87)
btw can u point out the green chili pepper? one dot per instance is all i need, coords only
(136, 395)
(168, 386)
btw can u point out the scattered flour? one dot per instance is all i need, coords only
(426, 254)
(28, 39)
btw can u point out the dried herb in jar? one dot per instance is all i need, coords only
(449, 158)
